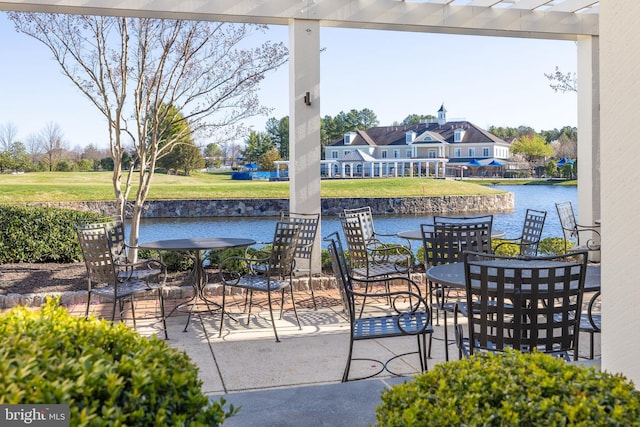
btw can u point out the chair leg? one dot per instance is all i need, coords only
(164, 319)
(273, 322)
(446, 336)
(86, 313)
(133, 312)
(295, 311)
(313, 297)
(224, 293)
(347, 368)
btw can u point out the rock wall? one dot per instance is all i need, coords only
(445, 205)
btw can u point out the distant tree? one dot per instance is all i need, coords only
(555, 134)
(64, 165)
(551, 169)
(511, 133)
(231, 152)
(278, 131)
(334, 128)
(562, 82)
(213, 155)
(53, 144)
(532, 147)
(106, 164)
(184, 154)
(8, 132)
(414, 119)
(257, 145)
(267, 160)
(565, 146)
(129, 67)
(20, 160)
(85, 165)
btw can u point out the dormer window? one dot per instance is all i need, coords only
(458, 135)
(349, 137)
(410, 137)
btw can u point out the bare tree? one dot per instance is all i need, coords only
(8, 133)
(52, 143)
(563, 82)
(133, 68)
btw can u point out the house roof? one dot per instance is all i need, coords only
(357, 156)
(396, 135)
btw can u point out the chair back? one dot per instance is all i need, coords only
(567, 220)
(366, 221)
(356, 241)
(95, 244)
(308, 225)
(115, 230)
(532, 232)
(283, 247)
(341, 272)
(452, 236)
(524, 303)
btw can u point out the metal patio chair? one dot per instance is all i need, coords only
(591, 321)
(444, 244)
(585, 237)
(105, 277)
(531, 234)
(114, 225)
(308, 224)
(369, 260)
(409, 314)
(267, 270)
(525, 304)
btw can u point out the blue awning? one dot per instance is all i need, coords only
(494, 163)
(251, 166)
(474, 162)
(564, 161)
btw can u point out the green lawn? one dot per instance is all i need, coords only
(95, 186)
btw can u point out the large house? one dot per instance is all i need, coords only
(434, 148)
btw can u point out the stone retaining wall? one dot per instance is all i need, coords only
(445, 205)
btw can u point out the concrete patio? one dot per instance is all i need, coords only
(296, 381)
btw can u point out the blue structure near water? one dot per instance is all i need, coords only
(253, 176)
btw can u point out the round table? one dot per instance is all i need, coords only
(197, 246)
(417, 234)
(453, 275)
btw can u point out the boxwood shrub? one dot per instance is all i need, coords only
(39, 234)
(511, 389)
(107, 374)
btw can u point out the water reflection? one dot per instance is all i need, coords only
(541, 197)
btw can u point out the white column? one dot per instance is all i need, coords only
(304, 122)
(619, 107)
(588, 131)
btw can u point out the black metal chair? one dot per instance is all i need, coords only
(368, 229)
(113, 280)
(308, 224)
(583, 237)
(268, 270)
(591, 321)
(409, 311)
(114, 225)
(370, 260)
(531, 234)
(526, 304)
(444, 244)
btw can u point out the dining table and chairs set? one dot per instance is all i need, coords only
(523, 301)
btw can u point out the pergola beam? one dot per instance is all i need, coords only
(513, 21)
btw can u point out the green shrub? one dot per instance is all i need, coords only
(511, 389)
(108, 374)
(553, 246)
(37, 234)
(506, 249)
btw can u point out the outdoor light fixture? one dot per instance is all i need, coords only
(307, 98)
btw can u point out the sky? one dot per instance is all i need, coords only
(489, 81)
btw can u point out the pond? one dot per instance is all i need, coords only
(541, 197)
